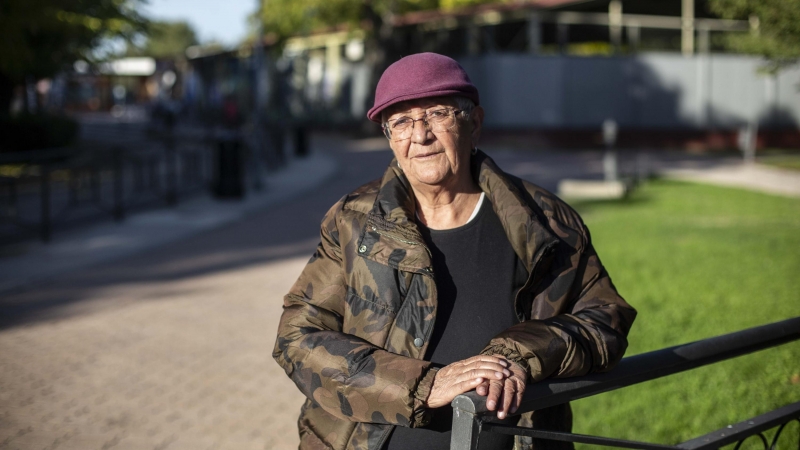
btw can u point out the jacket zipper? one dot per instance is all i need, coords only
(427, 270)
(375, 229)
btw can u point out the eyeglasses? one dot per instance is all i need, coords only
(438, 121)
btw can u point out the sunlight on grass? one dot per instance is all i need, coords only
(698, 261)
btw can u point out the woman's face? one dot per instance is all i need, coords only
(435, 158)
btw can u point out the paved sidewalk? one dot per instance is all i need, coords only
(755, 177)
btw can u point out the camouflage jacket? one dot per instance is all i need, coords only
(356, 324)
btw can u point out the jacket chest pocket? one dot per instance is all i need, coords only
(373, 298)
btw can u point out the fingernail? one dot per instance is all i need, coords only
(501, 415)
(499, 375)
(490, 404)
(504, 363)
(508, 374)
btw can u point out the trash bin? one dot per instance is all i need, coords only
(301, 141)
(229, 168)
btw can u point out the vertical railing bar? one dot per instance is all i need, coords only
(119, 186)
(45, 194)
(171, 166)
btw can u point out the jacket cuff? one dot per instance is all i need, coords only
(421, 415)
(507, 353)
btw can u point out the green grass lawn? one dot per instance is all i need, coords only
(698, 261)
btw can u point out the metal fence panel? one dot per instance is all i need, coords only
(655, 90)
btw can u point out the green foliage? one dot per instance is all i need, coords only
(36, 131)
(38, 38)
(285, 18)
(698, 261)
(166, 40)
(777, 35)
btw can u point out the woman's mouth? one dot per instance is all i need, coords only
(425, 156)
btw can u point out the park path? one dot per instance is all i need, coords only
(170, 348)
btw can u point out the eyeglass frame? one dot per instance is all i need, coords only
(387, 132)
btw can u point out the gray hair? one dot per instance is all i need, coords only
(465, 104)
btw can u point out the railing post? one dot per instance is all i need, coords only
(94, 179)
(171, 168)
(119, 183)
(466, 424)
(74, 181)
(45, 191)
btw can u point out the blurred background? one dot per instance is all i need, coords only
(164, 166)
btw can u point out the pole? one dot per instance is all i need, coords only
(687, 27)
(615, 24)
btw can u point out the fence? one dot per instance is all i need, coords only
(470, 415)
(62, 186)
(650, 90)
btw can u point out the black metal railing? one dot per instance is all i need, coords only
(68, 186)
(471, 416)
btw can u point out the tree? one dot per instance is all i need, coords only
(166, 40)
(39, 38)
(776, 28)
(285, 18)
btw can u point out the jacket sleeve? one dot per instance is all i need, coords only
(589, 335)
(347, 376)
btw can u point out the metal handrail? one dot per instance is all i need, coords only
(470, 410)
(36, 156)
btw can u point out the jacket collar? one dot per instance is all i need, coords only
(394, 210)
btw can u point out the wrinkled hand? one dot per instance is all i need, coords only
(505, 394)
(464, 376)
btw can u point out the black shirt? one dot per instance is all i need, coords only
(477, 275)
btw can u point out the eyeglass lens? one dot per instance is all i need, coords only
(438, 121)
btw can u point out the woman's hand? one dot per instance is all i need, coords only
(505, 394)
(464, 376)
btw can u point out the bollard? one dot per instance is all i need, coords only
(610, 171)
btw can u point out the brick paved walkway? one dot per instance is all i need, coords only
(183, 364)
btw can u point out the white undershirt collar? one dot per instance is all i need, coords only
(474, 211)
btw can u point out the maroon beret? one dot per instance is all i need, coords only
(420, 76)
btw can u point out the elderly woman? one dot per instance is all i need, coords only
(444, 276)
